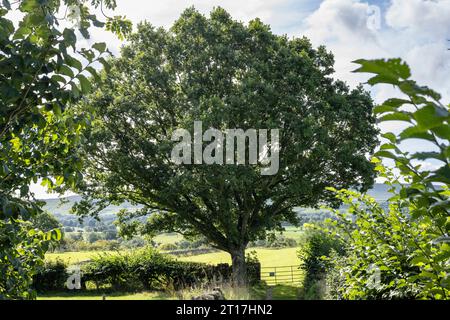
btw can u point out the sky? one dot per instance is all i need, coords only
(415, 30)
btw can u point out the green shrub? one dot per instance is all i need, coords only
(110, 270)
(51, 276)
(149, 269)
(277, 242)
(168, 246)
(318, 246)
(380, 241)
(406, 242)
(282, 242)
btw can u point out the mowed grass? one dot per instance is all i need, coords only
(267, 256)
(171, 238)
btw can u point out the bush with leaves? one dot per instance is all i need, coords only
(22, 248)
(110, 269)
(168, 246)
(51, 276)
(317, 246)
(42, 74)
(275, 242)
(409, 241)
(149, 269)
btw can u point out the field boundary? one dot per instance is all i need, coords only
(282, 275)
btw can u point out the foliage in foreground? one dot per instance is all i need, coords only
(22, 249)
(317, 245)
(42, 75)
(402, 251)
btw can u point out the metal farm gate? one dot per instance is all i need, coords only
(281, 275)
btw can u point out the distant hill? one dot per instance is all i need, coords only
(58, 207)
(54, 206)
(380, 192)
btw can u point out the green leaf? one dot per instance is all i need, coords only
(419, 260)
(387, 71)
(390, 136)
(441, 175)
(67, 71)
(89, 55)
(6, 4)
(427, 117)
(411, 89)
(442, 131)
(415, 132)
(84, 83)
(55, 234)
(7, 209)
(70, 38)
(385, 154)
(383, 108)
(71, 61)
(93, 72)
(75, 89)
(16, 144)
(29, 5)
(99, 46)
(22, 32)
(105, 64)
(397, 116)
(57, 109)
(59, 78)
(427, 155)
(396, 103)
(387, 146)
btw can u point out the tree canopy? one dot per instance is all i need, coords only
(227, 75)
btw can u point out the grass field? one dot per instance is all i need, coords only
(267, 257)
(75, 257)
(168, 238)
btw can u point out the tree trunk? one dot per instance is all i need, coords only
(239, 267)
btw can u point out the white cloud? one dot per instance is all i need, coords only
(342, 25)
(336, 19)
(421, 17)
(415, 30)
(41, 193)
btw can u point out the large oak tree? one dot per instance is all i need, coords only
(227, 75)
